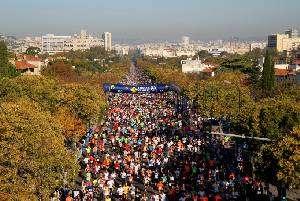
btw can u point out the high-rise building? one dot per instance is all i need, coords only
(107, 41)
(284, 42)
(293, 33)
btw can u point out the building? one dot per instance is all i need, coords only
(107, 41)
(36, 61)
(185, 41)
(282, 66)
(293, 33)
(295, 65)
(28, 64)
(53, 44)
(159, 51)
(25, 43)
(26, 68)
(196, 66)
(215, 52)
(257, 45)
(185, 52)
(284, 42)
(285, 76)
(121, 49)
(83, 41)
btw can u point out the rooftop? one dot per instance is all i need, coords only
(21, 65)
(283, 72)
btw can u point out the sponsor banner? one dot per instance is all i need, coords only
(151, 88)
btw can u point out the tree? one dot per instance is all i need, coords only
(268, 74)
(3, 54)
(72, 127)
(237, 63)
(276, 116)
(203, 54)
(6, 68)
(84, 101)
(33, 50)
(278, 161)
(61, 70)
(33, 157)
(255, 54)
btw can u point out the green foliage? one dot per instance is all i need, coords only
(3, 54)
(85, 101)
(162, 62)
(246, 64)
(8, 71)
(282, 159)
(33, 50)
(202, 54)
(95, 59)
(268, 74)
(32, 153)
(226, 97)
(6, 68)
(255, 54)
(237, 62)
(277, 116)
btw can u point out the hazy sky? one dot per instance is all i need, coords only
(150, 19)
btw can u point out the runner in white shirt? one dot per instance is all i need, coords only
(120, 191)
(110, 183)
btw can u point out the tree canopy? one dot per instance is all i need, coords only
(33, 156)
(33, 50)
(268, 74)
(6, 68)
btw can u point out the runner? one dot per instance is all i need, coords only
(143, 151)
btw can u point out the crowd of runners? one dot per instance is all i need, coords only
(144, 150)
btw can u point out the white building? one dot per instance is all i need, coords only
(53, 44)
(185, 52)
(215, 52)
(121, 49)
(83, 41)
(195, 66)
(259, 45)
(281, 66)
(185, 41)
(107, 41)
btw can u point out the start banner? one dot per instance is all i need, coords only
(151, 88)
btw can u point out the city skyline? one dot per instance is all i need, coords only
(151, 20)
